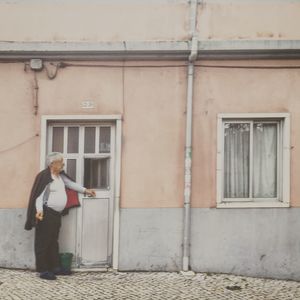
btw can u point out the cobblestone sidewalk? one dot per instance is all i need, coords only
(26, 285)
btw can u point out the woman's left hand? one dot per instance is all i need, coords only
(90, 193)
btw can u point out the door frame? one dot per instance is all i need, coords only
(117, 119)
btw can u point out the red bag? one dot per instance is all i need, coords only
(72, 199)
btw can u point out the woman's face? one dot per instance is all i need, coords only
(58, 165)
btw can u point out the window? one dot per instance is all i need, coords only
(87, 151)
(253, 160)
(96, 173)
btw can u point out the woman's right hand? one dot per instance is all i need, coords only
(39, 215)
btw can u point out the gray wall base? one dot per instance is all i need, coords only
(150, 239)
(16, 244)
(251, 242)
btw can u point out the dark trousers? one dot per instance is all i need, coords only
(46, 241)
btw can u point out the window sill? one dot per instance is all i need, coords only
(270, 204)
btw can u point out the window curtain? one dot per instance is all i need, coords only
(236, 160)
(265, 160)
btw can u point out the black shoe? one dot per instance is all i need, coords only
(47, 275)
(62, 271)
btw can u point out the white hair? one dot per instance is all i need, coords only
(54, 156)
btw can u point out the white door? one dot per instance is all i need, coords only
(89, 152)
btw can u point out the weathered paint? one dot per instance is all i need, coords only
(149, 142)
(238, 91)
(152, 104)
(262, 244)
(237, 20)
(16, 245)
(150, 239)
(153, 139)
(19, 145)
(93, 21)
(250, 242)
(147, 20)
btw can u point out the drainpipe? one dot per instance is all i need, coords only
(188, 138)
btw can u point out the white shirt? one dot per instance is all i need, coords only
(57, 197)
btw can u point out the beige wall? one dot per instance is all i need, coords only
(89, 21)
(229, 20)
(240, 91)
(146, 20)
(72, 85)
(152, 103)
(17, 125)
(153, 148)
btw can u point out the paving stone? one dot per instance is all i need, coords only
(26, 285)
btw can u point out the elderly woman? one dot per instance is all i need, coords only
(47, 203)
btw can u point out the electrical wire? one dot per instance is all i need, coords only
(246, 67)
(52, 76)
(20, 144)
(65, 65)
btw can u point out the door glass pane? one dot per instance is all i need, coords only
(73, 135)
(236, 160)
(265, 160)
(71, 168)
(58, 139)
(89, 139)
(96, 173)
(104, 140)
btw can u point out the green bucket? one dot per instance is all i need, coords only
(66, 260)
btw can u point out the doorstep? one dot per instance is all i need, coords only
(102, 269)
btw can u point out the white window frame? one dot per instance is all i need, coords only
(283, 199)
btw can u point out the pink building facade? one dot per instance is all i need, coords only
(183, 115)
